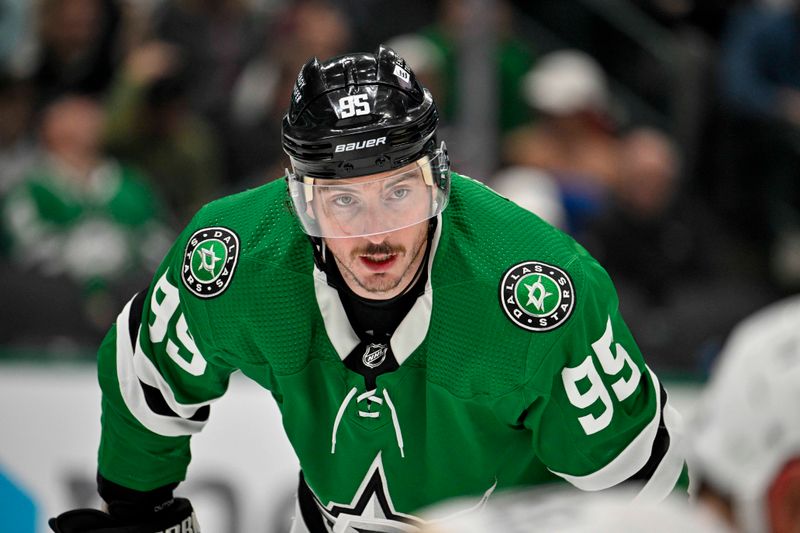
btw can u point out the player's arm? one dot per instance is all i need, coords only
(159, 371)
(130, 511)
(607, 418)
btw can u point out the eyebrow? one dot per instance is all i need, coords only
(389, 182)
(407, 175)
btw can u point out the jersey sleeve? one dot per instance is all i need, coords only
(159, 371)
(603, 417)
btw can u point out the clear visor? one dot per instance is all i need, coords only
(368, 205)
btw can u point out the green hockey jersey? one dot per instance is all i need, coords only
(515, 366)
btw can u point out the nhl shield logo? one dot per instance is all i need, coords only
(209, 261)
(537, 296)
(374, 355)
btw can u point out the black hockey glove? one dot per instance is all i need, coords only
(173, 516)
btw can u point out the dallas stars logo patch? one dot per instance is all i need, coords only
(209, 261)
(537, 296)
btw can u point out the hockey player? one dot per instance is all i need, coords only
(745, 443)
(416, 353)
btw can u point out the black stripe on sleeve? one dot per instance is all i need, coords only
(309, 512)
(111, 492)
(153, 397)
(660, 445)
(156, 402)
(135, 317)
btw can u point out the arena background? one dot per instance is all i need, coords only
(662, 134)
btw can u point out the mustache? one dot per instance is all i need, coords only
(383, 248)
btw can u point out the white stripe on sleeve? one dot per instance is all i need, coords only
(630, 460)
(669, 469)
(133, 367)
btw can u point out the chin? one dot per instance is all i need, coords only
(379, 283)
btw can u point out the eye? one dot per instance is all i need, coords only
(399, 193)
(343, 200)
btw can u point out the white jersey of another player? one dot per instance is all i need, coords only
(745, 439)
(564, 510)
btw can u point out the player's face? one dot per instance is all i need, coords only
(381, 266)
(376, 226)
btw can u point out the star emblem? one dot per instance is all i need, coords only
(537, 301)
(371, 510)
(208, 260)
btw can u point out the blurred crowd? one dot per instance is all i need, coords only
(664, 135)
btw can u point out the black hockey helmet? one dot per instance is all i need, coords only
(358, 114)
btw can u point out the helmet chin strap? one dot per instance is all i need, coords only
(318, 248)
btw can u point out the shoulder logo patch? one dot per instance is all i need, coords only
(537, 296)
(209, 261)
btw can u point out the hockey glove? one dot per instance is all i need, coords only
(173, 516)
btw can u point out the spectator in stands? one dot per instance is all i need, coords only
(151, 125)
(533, 189)
(303, 29)
(760, 86)
(680, 274)
(79, 43)
(574, 138)
(514, 57)
(17, 146)
(638, 237)
(80, 217)
(214, 39)
(16, 142)
(761, 74)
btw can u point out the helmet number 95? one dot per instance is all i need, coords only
(353, 105)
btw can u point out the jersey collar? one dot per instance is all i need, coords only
(409, 334)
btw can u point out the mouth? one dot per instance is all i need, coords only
(378, 262)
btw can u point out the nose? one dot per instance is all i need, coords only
(377, 238)
(372, 219)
